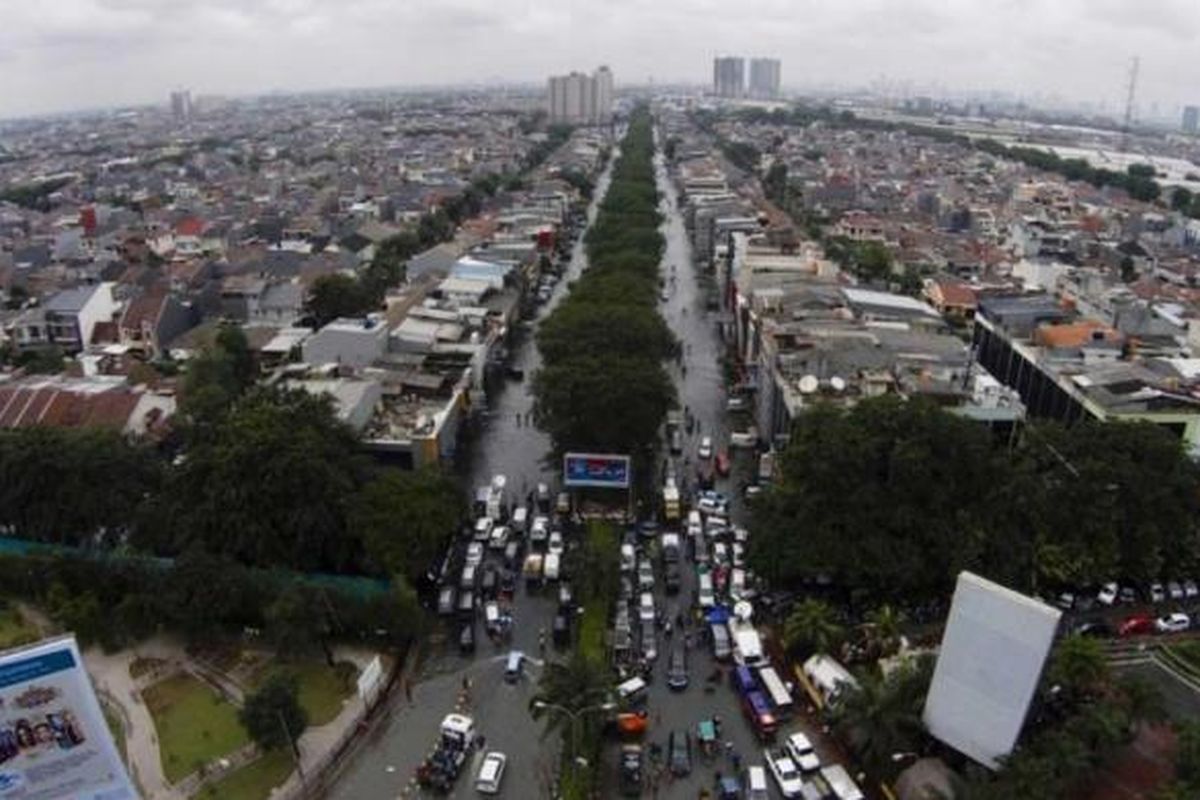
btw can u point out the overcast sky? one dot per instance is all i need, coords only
(67, 54)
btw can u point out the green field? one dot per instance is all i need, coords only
(322, 688)
(253, 781)
(195, 725)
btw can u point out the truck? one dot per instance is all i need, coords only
(533, 569)
(747, 644)
(456, 740)
(671, 507)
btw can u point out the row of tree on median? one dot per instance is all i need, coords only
(603, 387)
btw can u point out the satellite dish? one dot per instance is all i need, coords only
(809, 384)
(838, 383)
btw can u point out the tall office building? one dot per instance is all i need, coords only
(579, 99)
(1191, 119)
(729, 76)
(764, 78)
(181, 105)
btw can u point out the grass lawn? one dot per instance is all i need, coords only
(195, 725)
(14, 630)
(322, 688)
(253, 781)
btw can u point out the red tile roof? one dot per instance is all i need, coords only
(22, 406)
(190, 226)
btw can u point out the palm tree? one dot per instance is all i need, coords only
(573, 685)
(813, 626)
(883, 628)
(882, 715)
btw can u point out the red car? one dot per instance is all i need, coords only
(722, 463)
(1136, 625)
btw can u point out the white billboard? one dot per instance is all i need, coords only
(54, 743)
(991, 659)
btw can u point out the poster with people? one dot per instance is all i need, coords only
(54, 743)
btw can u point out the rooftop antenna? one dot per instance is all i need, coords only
(1129, 95)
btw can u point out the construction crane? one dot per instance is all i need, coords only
(1129, 95)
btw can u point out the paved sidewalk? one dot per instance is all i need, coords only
(111, 674)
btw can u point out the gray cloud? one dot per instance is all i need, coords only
(73, 53)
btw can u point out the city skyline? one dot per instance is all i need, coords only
(102, 53)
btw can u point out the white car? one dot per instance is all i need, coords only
(1174, 590)
(474, 554)
(1173, 623)
(646, 607)
(556, 542)
(705, 450)
(756, 783)
(1190, 590)
(720, 554)
(787, 775)
(1107, 594)
(499, 537)
(491, 773)
(483, 528)
(645, 572)
(739, 554)
(801, 750)
(540, 529)
(1157, 593)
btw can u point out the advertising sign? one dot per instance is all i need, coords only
(595, 469)
(54, 743)
(988, 668)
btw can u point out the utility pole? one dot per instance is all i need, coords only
(1130, 93)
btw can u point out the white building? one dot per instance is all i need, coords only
(579, 99)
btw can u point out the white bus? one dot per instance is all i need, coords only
(777, 692)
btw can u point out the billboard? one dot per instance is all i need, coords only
(54, 742)
(596, 469)
(988, 668)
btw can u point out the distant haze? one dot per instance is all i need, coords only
(65, 54)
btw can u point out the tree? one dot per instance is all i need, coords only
(579, 329)
(215, 379)
(272, 487)
(1128, 270)
(775, 184)
(884, 628)
(1187, 754)
(882, 715)
(71, 486)
(813, 627)
(337, 295)
(1079, 666)
(405, 518)
(603, 403)
(1181, 199)
(295, 622)
(895, 498)
(574, 684)
(272, 715)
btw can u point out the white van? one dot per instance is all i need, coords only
(704, 592)
(551, 567)
(628, 558)
(756, 783)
